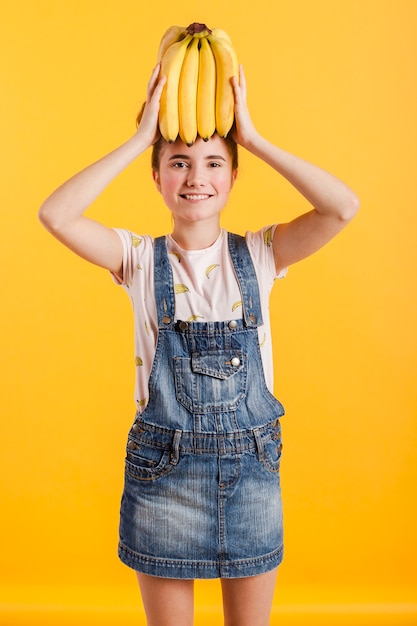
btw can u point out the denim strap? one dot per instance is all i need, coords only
(163, 284)
(246, 277)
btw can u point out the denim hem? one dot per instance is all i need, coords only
(190, 570)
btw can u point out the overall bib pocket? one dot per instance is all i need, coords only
(211, 381)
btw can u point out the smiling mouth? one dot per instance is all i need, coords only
(196, 196)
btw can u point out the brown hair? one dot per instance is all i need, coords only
(160, 143)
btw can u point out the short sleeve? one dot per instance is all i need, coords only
(261, 249)
(136, 249)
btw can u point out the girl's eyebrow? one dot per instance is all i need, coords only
(179, 156)
(186, 157)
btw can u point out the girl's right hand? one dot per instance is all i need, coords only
(148, 129)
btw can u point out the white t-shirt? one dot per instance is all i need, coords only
(206, 289)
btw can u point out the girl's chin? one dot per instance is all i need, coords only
(194, 215)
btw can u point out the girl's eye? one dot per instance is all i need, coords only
(184, 164)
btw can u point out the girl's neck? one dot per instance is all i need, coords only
(196, 236)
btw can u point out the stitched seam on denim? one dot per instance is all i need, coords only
(223, 563)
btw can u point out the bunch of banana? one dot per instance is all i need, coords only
(197, 99)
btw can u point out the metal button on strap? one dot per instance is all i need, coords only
(183, 325)
(235, 361)
(232, 324)
(252, 318)
(166, 319)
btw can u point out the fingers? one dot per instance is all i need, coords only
(147, 120)
(242, 81)
(159, 87)
(236, 90)
(244, 128)
(155, 82)
(239, 86)
(153, 79)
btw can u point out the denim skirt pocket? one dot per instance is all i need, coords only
(272, 449)
(147, 462)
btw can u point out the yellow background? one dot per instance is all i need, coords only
(333, 81)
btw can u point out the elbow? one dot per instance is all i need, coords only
(48, 218)
(43, 215)
(349, 208)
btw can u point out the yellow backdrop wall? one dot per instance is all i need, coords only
(331, 81)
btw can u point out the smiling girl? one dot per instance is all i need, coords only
(202, 494)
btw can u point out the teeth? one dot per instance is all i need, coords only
(196, 197)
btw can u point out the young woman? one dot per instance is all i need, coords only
(202, 493)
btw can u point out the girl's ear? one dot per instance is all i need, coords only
(156, 180)
(234, 176)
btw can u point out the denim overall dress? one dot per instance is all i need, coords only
(202, 496)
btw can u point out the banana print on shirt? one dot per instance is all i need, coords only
(135, 240)
(180, 288)
(268, 236)
(211, 268)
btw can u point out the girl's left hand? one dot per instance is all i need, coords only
(244, 132)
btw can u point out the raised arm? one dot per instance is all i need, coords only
(62, 213)
(334, 203)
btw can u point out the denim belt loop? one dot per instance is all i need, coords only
(175, 452)
(259, 443)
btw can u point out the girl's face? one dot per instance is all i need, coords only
(195, 181)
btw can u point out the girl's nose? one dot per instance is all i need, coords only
(195, 177)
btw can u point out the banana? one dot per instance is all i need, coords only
(171, 64)
(226, 67)
(187, 99)
(206, 92)
(218, 32)
(198, 98)
(172, 35)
